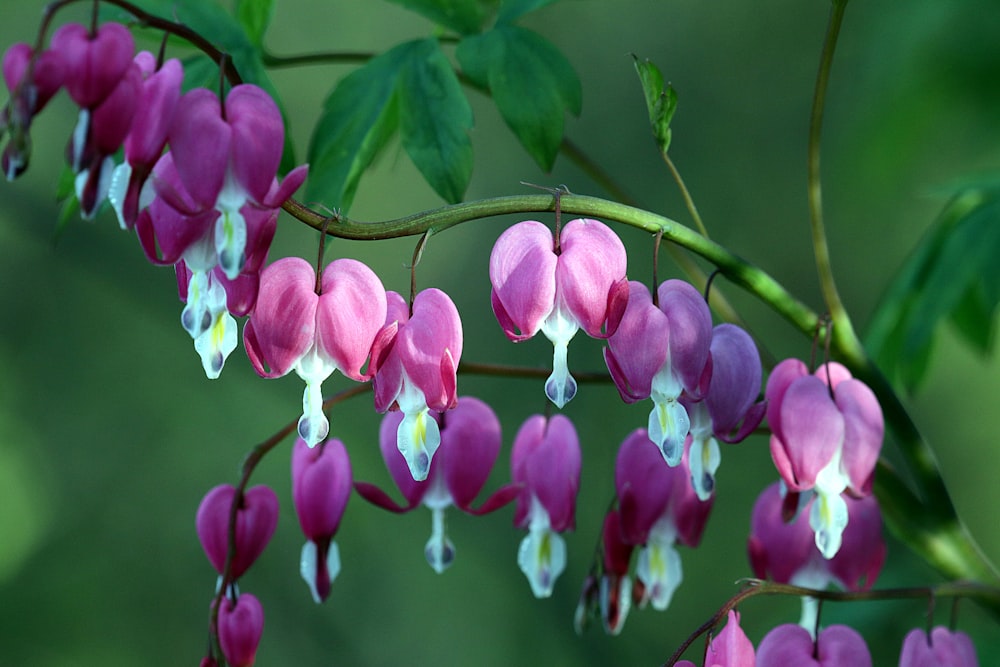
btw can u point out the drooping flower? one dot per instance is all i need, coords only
(728, 411)
(147, 137)
(293, 328)
(786, 552)
(659, 508)
(321, 487)
(28, 98)
(659, 352)
(241, 624)
(415, 360)
(836, 646)
(226, 158)
(545, 461)
(944, 648)
(470, 443)
(256, 519)
(827, 432)
(558, 287)
(730, 648)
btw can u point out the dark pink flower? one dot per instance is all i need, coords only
(28, 98)
(545, 461)
(293, 328)
(470, 443)
(730, 648)
(241, 624)
(659, 352)
(836, 646)
(321, 487)
(256, 519)
(944, 648)
(537, 288)
(415, 360)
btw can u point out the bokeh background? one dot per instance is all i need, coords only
(110, 434)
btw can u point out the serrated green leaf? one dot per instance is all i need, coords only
(435, 119)
(511, 10)
(465, 17)
(532, 84)
(255, 16)
(661, 101)
(359, 116)
(951, 275)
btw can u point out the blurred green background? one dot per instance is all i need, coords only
(110, 434)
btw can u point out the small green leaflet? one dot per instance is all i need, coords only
(465, 17)
(661, 102)
(532, 84)
(411, 87)
(254, 16)
(952, 274)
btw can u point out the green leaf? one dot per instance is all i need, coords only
(532, 84)
(359, 117)
(952, 274)
(434, 120)
(255, 16)
(511, 10)
(465, 17)
(661, 101)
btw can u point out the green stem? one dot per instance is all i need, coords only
(688, 200)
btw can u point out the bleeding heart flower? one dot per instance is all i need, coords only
(730, 648)
(836, 646)
(943, 648)
(241, 624)
(256, 519)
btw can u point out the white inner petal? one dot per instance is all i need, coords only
(418, 435)
(313, 425)
(659, 565)
(560, 387)
(439, 550)
(542, 554)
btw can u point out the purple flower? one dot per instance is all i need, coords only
(836, 646)
(827, 432)
(659, 352)
(537, 287)
(659, 507)
(470, 443)
(27, 99)
(293, 328)
(241, 623)
(545, 461)
(256, 519)
(414, 361)
(321, 487)
(943, 648)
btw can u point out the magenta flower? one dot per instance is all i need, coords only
(256, 519)
(659, 507)
(943, 648)
(470, 443)
(730, 648)
(836, 646)
(241, 624)
(227, 158)
(28, 98)
(97, 62)
(729, 411)
(827, 432)
(147, 137)
(321, 487)
(615, 587)
(545, 461)
(786, 552)
(659, 352)
(293, 328)
(414, 363)
(558, 287)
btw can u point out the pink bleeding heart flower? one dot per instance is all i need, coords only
(294, 328)
(415, 359)
(545, 462)
(836, 646)
(470, 443)
(256, 519)
(786, 552)
(608, 593)
(241, 624)
(147, 136)
(321, 487)
(827, 432)
(28, 97)
(96, 62)
(943, 648)
(729, 411)
(660, 351)
(730, 648)
(659, 508)
(227, 158)
(558, 287)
